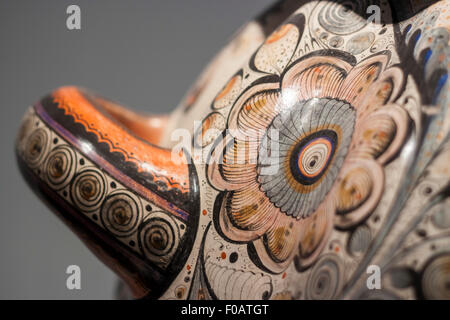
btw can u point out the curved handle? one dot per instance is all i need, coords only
(96, 164)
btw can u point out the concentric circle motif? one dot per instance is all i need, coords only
(36, 147)
(159, 237)
(344, 17)
(88, 190)
(301, 153)
(436, 278)
(121, 214)
(60, 167)
(312, 155)
(326, 279)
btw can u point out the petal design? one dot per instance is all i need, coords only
(401, 120)
(358, 192)
(360, 79)
(314, 233)
(214, 161)
(278, 239)
(380, 134)
(319, 135)
(232, 164)
(210, 129)
(374, 135)
(311, 142)
(316, 77)
(353, 189)
(239, 162)
(384, 90)
(276, 248)
(246, 214)
(257, 113)
(256, 107)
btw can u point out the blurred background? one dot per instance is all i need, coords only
(144, 54)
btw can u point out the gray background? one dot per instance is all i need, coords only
(144, 54)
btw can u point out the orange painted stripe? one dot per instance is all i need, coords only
(147, 157)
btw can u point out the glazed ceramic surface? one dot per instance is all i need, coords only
(313, 147)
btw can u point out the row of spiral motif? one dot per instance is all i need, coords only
(152, 233)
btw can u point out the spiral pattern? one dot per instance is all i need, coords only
(159, 237)
(344, 17)
(60, 167)
(301, 154)
(121, 214)
(436, 278)
(36, 147)
(325, 280)
(88, 190)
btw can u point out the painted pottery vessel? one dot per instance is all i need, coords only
(310, 157)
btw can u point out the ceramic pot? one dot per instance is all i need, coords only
(308, 161)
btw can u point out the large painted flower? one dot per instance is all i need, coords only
(304, 152)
